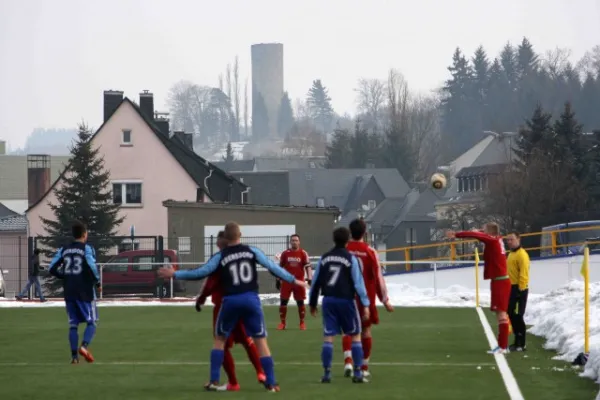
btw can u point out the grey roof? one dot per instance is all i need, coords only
(361, 183)
(335, 185)
(267, 188)
(481, 170)
(287, 163)
(423, 210)
(15, 223)
(386, 213)
(6, 212)
(235, 165)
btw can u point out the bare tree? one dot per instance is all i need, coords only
(397, 97)
(371, 97)
(590, 62)
(425, 137)
(221, 82)
(236, 97)
(301, 110)
(246, 109)
(556, 61)
(304, 140)
(228, 81)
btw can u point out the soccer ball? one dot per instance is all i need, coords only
(438, 181)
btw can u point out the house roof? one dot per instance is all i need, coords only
(196, 167)
(360, 184)
(235, 165)
(386, 212)
(481, 170)
(15, 223)
(287, 163)
(253, 207)
(6, 212)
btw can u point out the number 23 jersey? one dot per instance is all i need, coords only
(75, 264)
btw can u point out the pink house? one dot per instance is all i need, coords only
(147, 166)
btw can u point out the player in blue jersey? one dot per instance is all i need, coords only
(237, 265)
(339, 278)
(75, 264)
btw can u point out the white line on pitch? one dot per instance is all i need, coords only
(507, 376)
(175, 363)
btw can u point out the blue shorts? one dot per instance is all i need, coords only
(340, 316)
(243, 307)
(80, 312)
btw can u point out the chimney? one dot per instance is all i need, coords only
(186, 138)
(161, 120)
(38, 177)
(147, 104)
(112, 100)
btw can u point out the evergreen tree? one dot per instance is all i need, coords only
(527, 64)
(260, 118)
(360, 147)
(397, 152)
(338, 153)
(527, 61)
(229, 154)
(285, 117)
(319, 106)
(568, 147)
(537, 136)
(588, 103)
(84, 195)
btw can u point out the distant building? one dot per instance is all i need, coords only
(267, 82)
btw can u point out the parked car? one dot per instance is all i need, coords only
(128, 274)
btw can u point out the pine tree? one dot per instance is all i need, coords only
(397, 151)
(527, 61)
(84, 195)
(338, 152)
(229, 154)
(568, 147)
(536, 137)
(360, 147)
(285, 117)
(319, 106)
(589, 101)
(527, 65)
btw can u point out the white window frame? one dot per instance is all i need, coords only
(123, 184)
(184, 245)
(123, 142)
(321, 202)
(372, 204)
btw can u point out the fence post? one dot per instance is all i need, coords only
(101, 281)
(435, 279)
(453, 251)
(20, 265)
(553, 236)
(160, 257)
(30, 247)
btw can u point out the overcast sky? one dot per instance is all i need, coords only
(57, 56)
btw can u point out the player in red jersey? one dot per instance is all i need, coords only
(375, 285)
(494, 258)
(296, 262)
(211, 287)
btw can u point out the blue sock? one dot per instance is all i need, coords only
(327, 357)
(88, 334)
(357, 357)
(73, 340)
(268, 367)
(216, 361)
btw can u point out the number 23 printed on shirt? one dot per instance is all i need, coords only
(73, 265)
(241, 272)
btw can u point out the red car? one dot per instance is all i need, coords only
(127, 273)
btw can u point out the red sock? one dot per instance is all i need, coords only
(253, 355)
(229, 367)
(282, 313)
(503, 335)
(347, 347)
(302, 312)
(367, 343)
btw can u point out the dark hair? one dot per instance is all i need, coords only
(517, 235)
(221, 235)
(341, 236)
(358, 228)
(78, 229)
(295, 235)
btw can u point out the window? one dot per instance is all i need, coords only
(147, 263)
(320, 202)
(127, 193)
(410, 236)
(184, 245)
(372, 204)
(116, 265)
(478, 184)
(461, 185)
(126, 136)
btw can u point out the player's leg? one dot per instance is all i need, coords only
(367, 345)
(331, 327)
(300, 296)
(347, 347)
(240, 336)
(254, 323)
(89, 311)
(500, 297)
(227, 317)
(350, 322)
(284, 298)
(229, 366)
(74, 319)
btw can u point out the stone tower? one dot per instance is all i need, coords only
(267, 83)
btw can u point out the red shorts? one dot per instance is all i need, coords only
(373, 314)
(500, 295)
(287, 289)
(238, 335)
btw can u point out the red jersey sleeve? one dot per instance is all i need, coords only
(482, 237)
(380, 285)
(207, 288)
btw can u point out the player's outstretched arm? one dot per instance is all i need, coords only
(482, 237)
(380, 285)
(90, 258)
(56, 260)
(192, 274)
(313, 297)
(359, 283)
(271, 266)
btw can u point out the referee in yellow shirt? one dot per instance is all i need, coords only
(518, 272)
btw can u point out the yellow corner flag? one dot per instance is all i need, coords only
(585, 272)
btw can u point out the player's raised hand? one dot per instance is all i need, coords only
(366, 314)
(166, 272)
(314, 311)
(388, 306)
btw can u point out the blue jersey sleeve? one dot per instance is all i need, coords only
(200, 272)
(56, 260)
(359, 283)
(313, 297)
(90, 258)
(271, 266)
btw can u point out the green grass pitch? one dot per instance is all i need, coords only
(163, 352)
